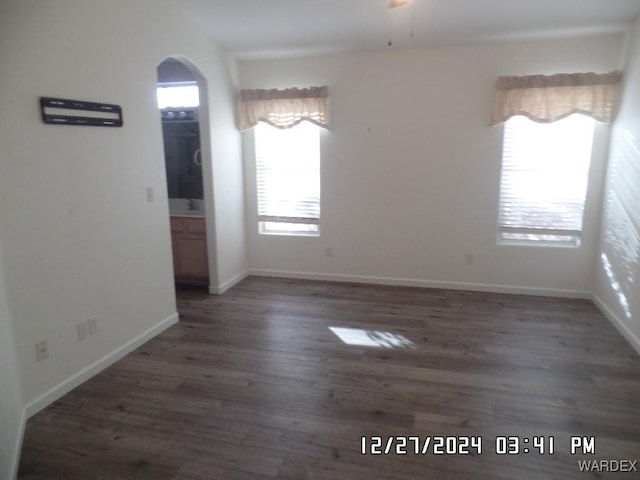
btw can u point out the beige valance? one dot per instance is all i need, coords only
(547, 98)
(284, 108)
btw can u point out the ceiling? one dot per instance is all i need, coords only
(277, 28)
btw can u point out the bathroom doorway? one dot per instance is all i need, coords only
(182, 111)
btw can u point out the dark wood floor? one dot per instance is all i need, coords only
(254, 385)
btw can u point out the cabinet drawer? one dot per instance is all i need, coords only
(195, 225)
(177, 224)
(188, 224)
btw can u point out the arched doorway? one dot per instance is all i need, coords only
(184, 113)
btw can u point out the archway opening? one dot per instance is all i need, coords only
(183, 112)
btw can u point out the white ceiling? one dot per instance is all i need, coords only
(276, 28)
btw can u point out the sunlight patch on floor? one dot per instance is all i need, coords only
(371, 338)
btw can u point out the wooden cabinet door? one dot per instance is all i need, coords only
(189, 244)
(174, 250)
(192, 255)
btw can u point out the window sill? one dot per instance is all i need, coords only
(534, 243)
(289, 229)
(291, 234)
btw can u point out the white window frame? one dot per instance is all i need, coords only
(288, 179)
(545, 171)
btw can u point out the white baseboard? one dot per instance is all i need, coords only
(213, 290)
(72, 382)
(15, 458)
(409, 282)
(617, 322)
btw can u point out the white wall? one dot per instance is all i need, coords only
(11, 405)
(228, 179)
(617, 279)
(411, 168)
(78, 236)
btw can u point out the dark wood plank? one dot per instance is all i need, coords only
(254, 384)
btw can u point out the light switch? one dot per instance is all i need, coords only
(41, 350)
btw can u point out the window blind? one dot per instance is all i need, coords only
(288, 174)
(545, 171)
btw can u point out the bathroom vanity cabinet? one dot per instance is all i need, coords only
(189, 242)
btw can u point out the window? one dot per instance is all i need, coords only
(288, 179)
(178, 94)
(545, 169)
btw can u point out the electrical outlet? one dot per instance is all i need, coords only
(93, 325)
(328, 251)
(150, 194)
(41, 350)
(468, 259)
(83, 330)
